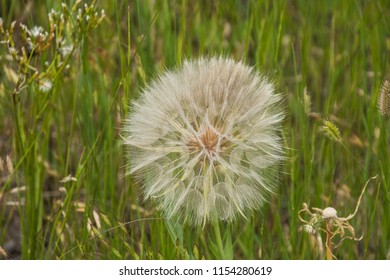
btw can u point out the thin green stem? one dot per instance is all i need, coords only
(218, 239)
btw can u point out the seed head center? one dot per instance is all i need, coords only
(207, 142)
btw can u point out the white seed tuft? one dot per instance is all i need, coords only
(329, 212)
(205, 140)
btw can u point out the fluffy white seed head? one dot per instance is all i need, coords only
(205, 140)
(329, 212)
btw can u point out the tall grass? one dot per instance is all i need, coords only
(336, 51)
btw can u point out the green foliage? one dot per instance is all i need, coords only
(62, 114)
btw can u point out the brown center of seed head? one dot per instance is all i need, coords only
(208, 141)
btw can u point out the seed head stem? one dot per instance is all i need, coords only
(329, 235)
(218, 239)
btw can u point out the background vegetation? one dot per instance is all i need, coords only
(335, 53)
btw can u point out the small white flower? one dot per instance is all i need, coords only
(23, 27)
(309, 229)
(79, 14)
(45, 85)
(52, 15)
(29, 45)
(205, 140)
(36, 31)
(12, 51)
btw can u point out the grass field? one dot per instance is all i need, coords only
(328, 58)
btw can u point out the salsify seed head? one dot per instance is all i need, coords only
(205, 140)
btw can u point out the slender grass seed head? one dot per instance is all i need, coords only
(205, 140)
(384, 98)
(331, 130)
